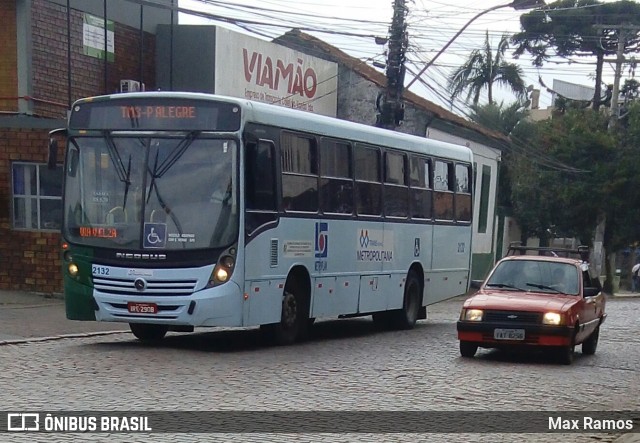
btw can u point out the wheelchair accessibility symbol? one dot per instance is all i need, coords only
(155, 235)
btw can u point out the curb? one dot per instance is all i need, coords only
(59, 337)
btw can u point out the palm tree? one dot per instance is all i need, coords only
(499, 117)
(483, 68)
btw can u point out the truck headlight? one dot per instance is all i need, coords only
(551, 318)
(473, 314)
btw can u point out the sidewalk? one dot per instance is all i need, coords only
(25, 315)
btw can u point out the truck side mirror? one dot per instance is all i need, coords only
(476, 284)
(52, 160)
(591, 292)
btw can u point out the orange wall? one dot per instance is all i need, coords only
(8, 56)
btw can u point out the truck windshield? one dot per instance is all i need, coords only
(137, 193)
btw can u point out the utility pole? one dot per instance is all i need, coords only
(600, 250)
(389, 103)
(624, 31)
(622, 41)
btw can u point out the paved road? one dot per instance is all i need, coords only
(347, 365)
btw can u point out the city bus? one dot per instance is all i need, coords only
(186, 210)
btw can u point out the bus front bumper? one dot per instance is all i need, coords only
(218, 306)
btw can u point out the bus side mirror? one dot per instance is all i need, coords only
(52, 160)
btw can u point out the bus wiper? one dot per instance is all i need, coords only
(127, 183)
(175, 154)
(123, 175)
(153, 176)
(503, 285)
(156, 174)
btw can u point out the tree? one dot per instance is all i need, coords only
(582, 28)
(626, 228)
(503, 119)
(549, 200)
(483, 69)
(499, 117)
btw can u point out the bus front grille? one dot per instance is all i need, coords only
(127, 286)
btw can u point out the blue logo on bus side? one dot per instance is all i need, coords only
(364, 238)
(322, 239)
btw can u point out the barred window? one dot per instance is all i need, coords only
(37, 196)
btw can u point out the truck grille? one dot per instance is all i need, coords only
(533, 318)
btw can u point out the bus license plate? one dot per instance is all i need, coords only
(508, 334)
(142, 308)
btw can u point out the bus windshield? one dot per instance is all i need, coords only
(150, 192)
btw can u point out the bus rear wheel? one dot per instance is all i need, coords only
(148, 332)
(406, 317)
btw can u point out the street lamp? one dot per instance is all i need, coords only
(515, 4)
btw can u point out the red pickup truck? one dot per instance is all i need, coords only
(535, 297)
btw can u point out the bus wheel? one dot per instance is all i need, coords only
(148, 332)
(406, 317)
(294, 321)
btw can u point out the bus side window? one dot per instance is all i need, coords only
(260, 176)
(420, 181)
(299, 172)
(463, 193)
(443, 185)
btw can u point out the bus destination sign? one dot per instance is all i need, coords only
(158, 112)
(88, 231)
(155, 114)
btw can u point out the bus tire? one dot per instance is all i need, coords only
(294, 320)
(148, 332)
(406, 317)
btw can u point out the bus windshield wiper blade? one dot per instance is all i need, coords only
(127, 183)
(153, 175)
(176, 154)
(112, 149)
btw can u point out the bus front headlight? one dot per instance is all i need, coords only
(73, 269)
(223, 269)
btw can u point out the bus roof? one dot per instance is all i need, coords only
(303, 121)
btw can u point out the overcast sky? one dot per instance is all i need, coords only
(431, 24)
